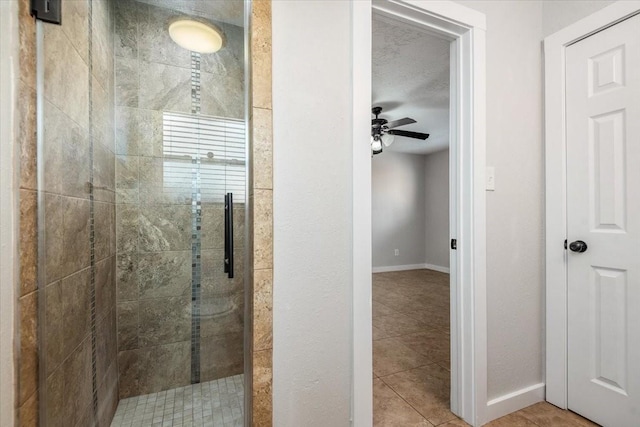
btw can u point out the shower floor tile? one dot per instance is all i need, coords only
(211, 404)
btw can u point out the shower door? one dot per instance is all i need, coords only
(142, 168)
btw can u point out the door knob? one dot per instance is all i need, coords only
(578, 246)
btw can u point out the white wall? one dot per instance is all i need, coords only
(558, 14)
(436, 187)
(9, 151)
(398, 209)
(312, 203)
(515, 337)
(312, 300)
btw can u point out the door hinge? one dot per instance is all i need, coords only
(47, 10)
(565, 244)
(454, 244)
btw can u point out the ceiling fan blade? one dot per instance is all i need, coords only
(400, 122)
(409, 134)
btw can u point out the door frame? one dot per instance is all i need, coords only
(467, 30)
(9, 214)
(556, 195)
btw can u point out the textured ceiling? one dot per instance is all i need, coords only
(228, 11)
(411, 79)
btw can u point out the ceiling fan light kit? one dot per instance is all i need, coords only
(383, 132)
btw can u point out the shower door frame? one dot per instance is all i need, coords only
(466, 28)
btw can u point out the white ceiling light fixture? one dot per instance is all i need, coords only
(376, 144)
(387, 139)
(196, 36)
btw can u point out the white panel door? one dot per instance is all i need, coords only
(603, 210)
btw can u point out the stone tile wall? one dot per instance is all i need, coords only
(154, 225)
(261, 310)
(77, 281)
(28, 295)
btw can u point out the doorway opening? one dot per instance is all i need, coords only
(410, 224)
(464, 29)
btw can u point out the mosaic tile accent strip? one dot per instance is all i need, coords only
(92, 231)
(196, 234)
(210, 404)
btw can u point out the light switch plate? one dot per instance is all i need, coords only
(491, 178)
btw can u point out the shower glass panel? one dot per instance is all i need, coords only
(142, 138)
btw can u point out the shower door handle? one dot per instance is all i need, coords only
(228, 234)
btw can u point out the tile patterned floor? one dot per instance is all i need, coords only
(211, 404)
(411, 358)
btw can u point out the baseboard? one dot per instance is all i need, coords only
(437, 268)
(410, 267)
(515, 401)
(398, 268)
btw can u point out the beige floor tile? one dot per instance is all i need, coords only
(546, 415)
(435, 318)
(379, 334)
(426, 389)
(398, 324)
(512, 420)
(432, 343)
(455, 423)
(392, 411)
(391, 356)
(379, 309)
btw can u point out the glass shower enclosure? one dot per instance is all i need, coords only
(142, 192)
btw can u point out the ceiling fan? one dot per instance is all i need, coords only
(383, 132)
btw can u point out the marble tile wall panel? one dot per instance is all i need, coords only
(102, 36)
(103, 112)
(66, 154)
(28, 380)
(164, 274)
(138, 131)
(262, 309)
(28, 367)
(127, 131)
(222, 356)
(164, 320)
(223, 95)
(65, 66)
(108, 396)
(104, 185)
(215, 281)
(153, 216)
(103, 229)
(164, 228)
(66, 235)
(127, 179)
(27, 134)
(127, 320)
(262, 388)
(169, 89)
(127, 219)
(154, 43)
(76, 21)
(66, 168)
(262, 149)
(127, 276)
(151, 369)
(261, 219)
(105, 287)
(127, 81)
(106, 345)
(228, 61)
(222, 314)
(126, 29)
(72, 378)
(263, 229)
(28, 241)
